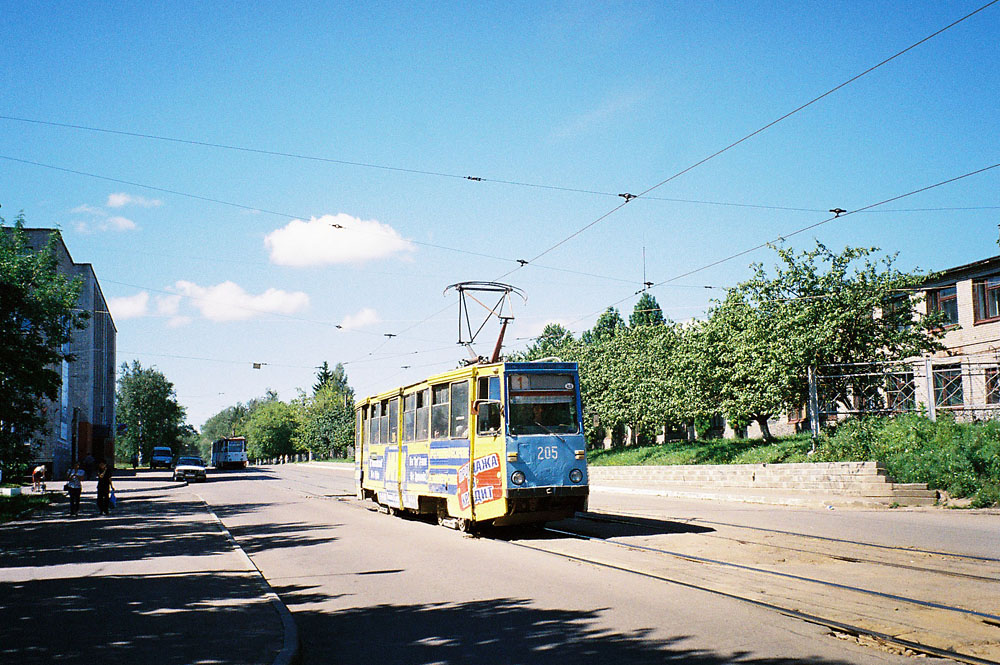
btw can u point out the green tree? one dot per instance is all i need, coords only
(147, 405)
(625, 379)
(271, 430)
(646, 312)
(335, 378)
(555, 341)
(819, 308)
(327, 424)
(37, 320)
(224, 423)
(608, 324)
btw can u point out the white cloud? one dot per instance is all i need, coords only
(229, 302)
(365, 317)
(101, 220)
(319, 242)
(129, 307)
(88, 209)
(168, 305)
(118, 224)
(121, 199)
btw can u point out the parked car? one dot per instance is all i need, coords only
(161, 457)
(190, 468)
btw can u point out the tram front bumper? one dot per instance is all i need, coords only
(514, 493)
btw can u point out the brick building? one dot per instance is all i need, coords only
(82, 420)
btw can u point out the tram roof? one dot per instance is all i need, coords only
(470, 370)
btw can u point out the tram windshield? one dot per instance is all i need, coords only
(542, 404)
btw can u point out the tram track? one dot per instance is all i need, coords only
(833, 624)
(638, 521)
(904, 622)
(893, 619)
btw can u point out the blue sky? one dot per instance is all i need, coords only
(607, 98)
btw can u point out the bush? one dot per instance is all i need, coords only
(960, 458)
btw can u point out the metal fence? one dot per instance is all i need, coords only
(968, 386)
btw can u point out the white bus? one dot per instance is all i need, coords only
(230, 453)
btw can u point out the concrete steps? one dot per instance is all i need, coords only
(855, 484)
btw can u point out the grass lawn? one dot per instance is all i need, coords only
(961, 458)
(713, 451)
(12, 506)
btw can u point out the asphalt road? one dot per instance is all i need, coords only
(368, 587)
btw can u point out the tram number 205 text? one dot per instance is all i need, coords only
(548, 452)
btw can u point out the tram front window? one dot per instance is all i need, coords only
(532, 415)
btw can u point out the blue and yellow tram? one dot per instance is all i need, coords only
(498, 443)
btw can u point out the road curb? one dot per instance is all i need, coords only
(289, 653)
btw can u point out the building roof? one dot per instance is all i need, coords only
(37, 237)
(972, 270)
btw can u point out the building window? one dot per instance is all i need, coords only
(948, 385)
(899, 308)
(986, 296)
(944, 300)
(900, 392)
(992, 385)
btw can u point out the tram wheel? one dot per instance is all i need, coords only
(456, 523)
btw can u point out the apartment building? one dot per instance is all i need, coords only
(82, 421)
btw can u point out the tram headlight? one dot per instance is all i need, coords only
(576, 475)
(517, 477)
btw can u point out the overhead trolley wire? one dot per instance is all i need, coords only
(287, 215)
(499, 181)
(802, 230)
(628, 197)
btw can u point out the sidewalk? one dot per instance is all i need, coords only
(158, 581)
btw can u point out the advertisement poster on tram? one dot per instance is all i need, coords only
(486, 484)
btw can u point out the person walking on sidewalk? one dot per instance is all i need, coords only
(74, 488)
(104, 488)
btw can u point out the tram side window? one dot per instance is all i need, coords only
(394, 420)
(460, 410)
(488, 417)
(383, 422)
(359, 428)
(409, 416)
(423, 414)
(439, 412)
(373, 427)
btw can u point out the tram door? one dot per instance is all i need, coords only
(488, 451)
(393, 458)
(360, 449)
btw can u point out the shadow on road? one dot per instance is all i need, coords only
(139, 529)
(135, 587)
(606, 526)
(168, 619)
(486, 632)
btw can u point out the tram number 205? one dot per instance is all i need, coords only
(548, 452)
